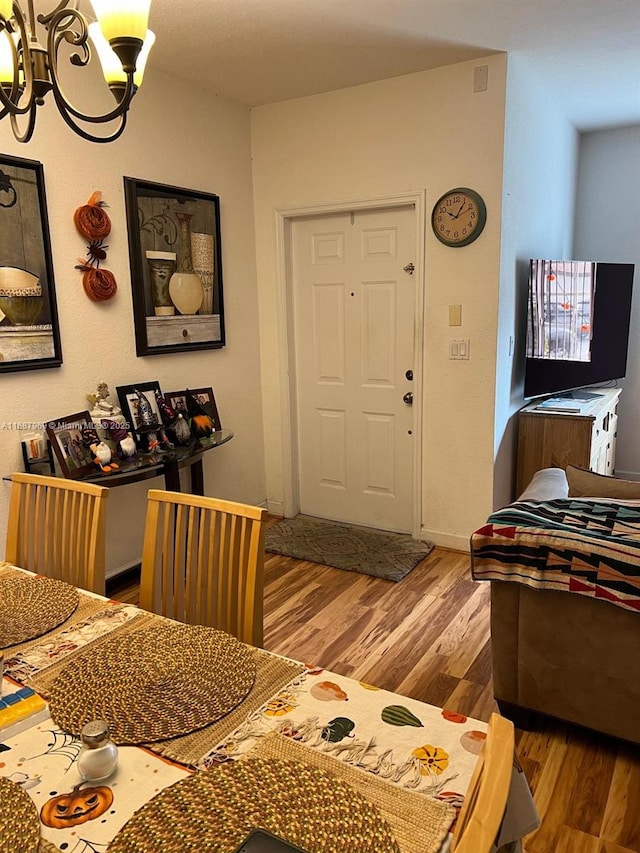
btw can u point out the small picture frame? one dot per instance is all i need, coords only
(204, 396)
(129, 403)
(65, 435)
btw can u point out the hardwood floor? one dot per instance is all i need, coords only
(428, 637)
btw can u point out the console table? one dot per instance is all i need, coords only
(166, 464)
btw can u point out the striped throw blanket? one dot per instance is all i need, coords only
(590, 547)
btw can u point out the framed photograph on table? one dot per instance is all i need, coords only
(133, 402)
(29, 331)
(176, 268)
(65, 435)
(203, 396)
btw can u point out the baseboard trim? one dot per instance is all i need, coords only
(125, 575)
(627, 475)
(119, 571)
(275, 508)
(445, 540)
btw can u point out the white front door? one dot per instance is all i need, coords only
(354, 313)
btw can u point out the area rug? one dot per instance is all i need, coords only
(356, 549)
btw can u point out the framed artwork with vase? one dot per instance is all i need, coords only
(29, 331)
(176, 271)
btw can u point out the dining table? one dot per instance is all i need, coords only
(214, 738)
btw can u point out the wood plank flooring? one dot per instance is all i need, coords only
(428, 637)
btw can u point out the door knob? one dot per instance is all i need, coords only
(408, 398)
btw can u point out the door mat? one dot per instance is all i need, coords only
(356, 549)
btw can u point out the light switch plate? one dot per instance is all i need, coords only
(455, 315)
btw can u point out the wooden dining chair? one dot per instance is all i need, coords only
(203, 563)
(486, 798)
(56, 527)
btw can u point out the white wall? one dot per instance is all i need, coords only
(537, 221)
(607, 229)
(183, 138)
(426, 130)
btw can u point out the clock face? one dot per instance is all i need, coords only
(458, 217)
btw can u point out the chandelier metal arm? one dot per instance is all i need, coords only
(60, 31)
(18, 93)
(46, 19)
(27, 133)
(62, 107)
(36, 69)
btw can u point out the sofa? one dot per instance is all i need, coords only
(565, 593)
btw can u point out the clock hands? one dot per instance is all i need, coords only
(456, 215)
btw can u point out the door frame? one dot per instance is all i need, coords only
(284, 218)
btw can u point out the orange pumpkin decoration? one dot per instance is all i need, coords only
(77, 807)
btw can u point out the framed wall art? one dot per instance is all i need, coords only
(29, 331)
(65, 435)
(176, 269)
(203, 396)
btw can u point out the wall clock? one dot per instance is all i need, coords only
(458, 217)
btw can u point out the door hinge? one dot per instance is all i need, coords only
(410, 268)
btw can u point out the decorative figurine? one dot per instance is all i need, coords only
(145, 412)
(121, 437)
(201, 424)
(152, 432)
(101, 404)
(173, 421)
(102, 457)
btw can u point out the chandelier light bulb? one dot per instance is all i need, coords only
(6, 59)
(111, 64)
(122, 18)
(6, 9)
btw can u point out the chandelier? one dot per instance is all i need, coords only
(29, 71)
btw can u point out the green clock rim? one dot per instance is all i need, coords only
(482, 218)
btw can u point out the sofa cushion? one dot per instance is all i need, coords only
(583, 483)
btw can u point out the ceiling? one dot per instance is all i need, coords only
(586, 52)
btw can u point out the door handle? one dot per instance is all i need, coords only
(408, 398)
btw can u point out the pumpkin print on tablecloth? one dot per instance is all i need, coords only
(337, 729)
(473, 741)
(279, 706)
(327, 691)
(453, 716)
(77, 807)
(432, 759)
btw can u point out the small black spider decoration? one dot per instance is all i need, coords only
(96, 252)
(93, 222)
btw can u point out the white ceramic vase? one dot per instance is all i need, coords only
(185, 287)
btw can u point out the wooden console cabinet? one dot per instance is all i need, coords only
(548, 439)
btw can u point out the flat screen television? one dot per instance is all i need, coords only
(578, 316)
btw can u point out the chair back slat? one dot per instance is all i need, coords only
(56, 527)
(203, 562)
(486, 797)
